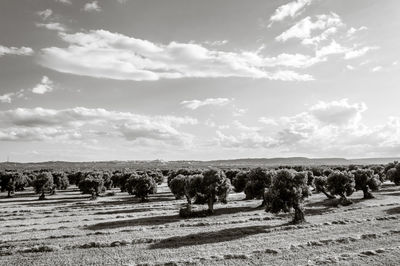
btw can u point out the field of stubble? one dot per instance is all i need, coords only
(70, 229)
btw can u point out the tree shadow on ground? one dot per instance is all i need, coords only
(212, 237)
(53, 201)
(392, 211)
(155, 220)
(122, 211)
(159, 220)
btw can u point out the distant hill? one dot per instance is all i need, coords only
(247, 162)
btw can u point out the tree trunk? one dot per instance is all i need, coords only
(345, 201)
(367, 194)
(9, 194)
(329, 196)
(94, 195)
(298, 215)
(211, 204)
(42, 196)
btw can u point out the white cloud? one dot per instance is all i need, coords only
(65, 2)
(8, 97)
(305, 27)
(338, 112)
(359, 52)
(195, 104)
(350, 67)
(103, 54)
(45, 14)
(93, 6)
(15, 50)
(268, 121)
(25, 124)
(377, 69)
(46, 85)
(56, 26)
(291, 9)
(352, 30)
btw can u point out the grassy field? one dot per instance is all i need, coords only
(70, 229)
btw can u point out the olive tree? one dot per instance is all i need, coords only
(60, 180)
(341, 183)
(366, 180)
(177, 186)
(288, 190)
(320, 185)
(143, 186)
(392, 171)
(239, 181)
(92, 184)
(43, 182)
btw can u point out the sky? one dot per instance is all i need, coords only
(198, 80)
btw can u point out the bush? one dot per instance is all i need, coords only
(108, 183)
(157, 176)
(365, 180)
(288, 190)
(341, 184)
(43, 182)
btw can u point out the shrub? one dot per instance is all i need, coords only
(43, 182)
(341, 184)
(7, 183)
(288, 190)
(131, 182)
(365, 180)
(231, 174)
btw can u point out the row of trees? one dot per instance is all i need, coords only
(280, 189)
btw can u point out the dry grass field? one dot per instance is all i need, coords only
(70, 229)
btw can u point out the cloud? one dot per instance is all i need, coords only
(15, 50)
(353, 30)
(103, 54)
(291, 9)
(9, 97)
(359, 52)
(56, 26)
(24, 124)
(338, 112)
(46, 85)
(65, 2)
(45, 14)
(195, 104)
(377, 69)
(305, 27)
(91, 7)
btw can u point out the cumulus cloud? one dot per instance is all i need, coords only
(376, 69)
(326, 128)
(15, 50)
(45, 85)
(291, 9)
(104, 54)
(65, 2)
(350, 54)
(9, 97)
(338, 112)
(24, 124)
(195, 104)
(56, 26)
(305, 27)
(91, 7)
(45, 14)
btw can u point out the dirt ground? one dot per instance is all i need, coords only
(70, 229)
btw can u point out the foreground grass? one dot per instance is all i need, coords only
(69, 229)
